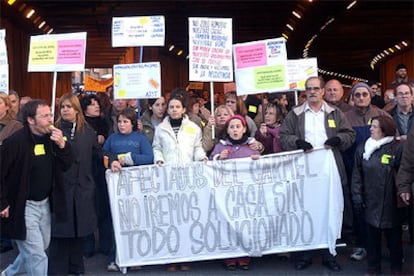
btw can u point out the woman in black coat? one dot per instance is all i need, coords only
(374, 193)
(66, 249)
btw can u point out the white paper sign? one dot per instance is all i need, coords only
(57, 52)
(137, 80)
(4, 65)
(260, 66)
(299, 70)
(210, 45)
(138, 31)
(222, 209)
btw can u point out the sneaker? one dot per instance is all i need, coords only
(359, 254)
(112, 267)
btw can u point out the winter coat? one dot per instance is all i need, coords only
(394, 115)
(270, 141)
(405, 176)
(79, 185)
(17, 153)
(8, 127)
(236, 150)
(293, 128)
(373, 184)
(184, 148)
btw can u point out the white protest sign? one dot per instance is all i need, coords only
(4, 65)
(137, 80)
(138, 31)
(210, 45)
(299, 70)
(222, 209)
(260, 66)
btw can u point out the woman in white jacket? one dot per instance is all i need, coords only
(177, 140)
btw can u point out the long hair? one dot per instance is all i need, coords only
(9, 113)
(80, 119)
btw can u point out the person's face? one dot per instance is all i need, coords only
(222, 116)
(3, 108)
(361, 97)
(333, 91)
(403, 96)
(270, 117)
(314, 92)
(206, 95)
(133, 103)
(236, 129)
(231, 103)
(14, 103)
(374, 89)
(93, 110)
(120, 105)
(196, 108)
(124, 125)
(388, 96)
(302, 97)
(67, 111)
(42, 121)
(376, 132)
(158, 108)
(175, 109)
(283, 100)
(401, 73)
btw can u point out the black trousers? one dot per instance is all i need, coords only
(373, 242)
(308, 255)
(66, 256)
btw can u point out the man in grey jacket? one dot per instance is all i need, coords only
(313, 124)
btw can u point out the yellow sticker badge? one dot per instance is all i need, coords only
(385, 159)
(39, 149)
(331, 123)
(252, 109)
(369, 121)
(190, 130)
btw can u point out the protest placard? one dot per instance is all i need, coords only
(299, 70)
(138, 31)
(137, 80)
(222, 209)
(57, 52)
(210, 44)
(261, 66)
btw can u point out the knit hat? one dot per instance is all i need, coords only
(401, 66)
(239, 117)
(361, 84)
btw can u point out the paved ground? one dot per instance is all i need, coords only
(266, 265)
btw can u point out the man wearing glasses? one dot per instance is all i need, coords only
(32, 162)
(360, 117)
(315, 124)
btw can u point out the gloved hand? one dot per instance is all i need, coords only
(333, 141)
(358, 207)
(302, 144)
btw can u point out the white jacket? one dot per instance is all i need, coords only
(185, 148)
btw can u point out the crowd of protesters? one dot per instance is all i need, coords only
(52, 171)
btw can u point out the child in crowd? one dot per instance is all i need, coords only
(268, 133)
(236, 145)
(128, 147)
(177, 140)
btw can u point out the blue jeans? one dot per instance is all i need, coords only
(32, 257)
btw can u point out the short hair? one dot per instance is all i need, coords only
(29, 110)
(179, 97)
(386, 124)
(87, 100)
(321, 81)
(131, 115)
(240, 105)
(403, 83)
(13, 92)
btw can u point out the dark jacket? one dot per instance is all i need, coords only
(405, 176)
(410, 120)
(79, 186)
(17, 153)
(373, 184)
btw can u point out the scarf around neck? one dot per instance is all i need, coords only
(372, 145)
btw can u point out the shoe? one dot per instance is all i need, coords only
(171, 268)
(185, 267)
(332, 265)
(112, 267)
(231, 266)
(244, 266)
(302, 264)
(4, 249)
(283, 256)
(359, 254)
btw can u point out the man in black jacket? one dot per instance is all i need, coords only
(33, 160)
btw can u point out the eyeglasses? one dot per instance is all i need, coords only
(363, 94)
(44, 116)
(316, 89)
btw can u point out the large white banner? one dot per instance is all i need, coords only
(137, 80)
(4, 65)
(220, 209)
(210, 44)
(260, 66)
(138, 31)
(57, 52)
